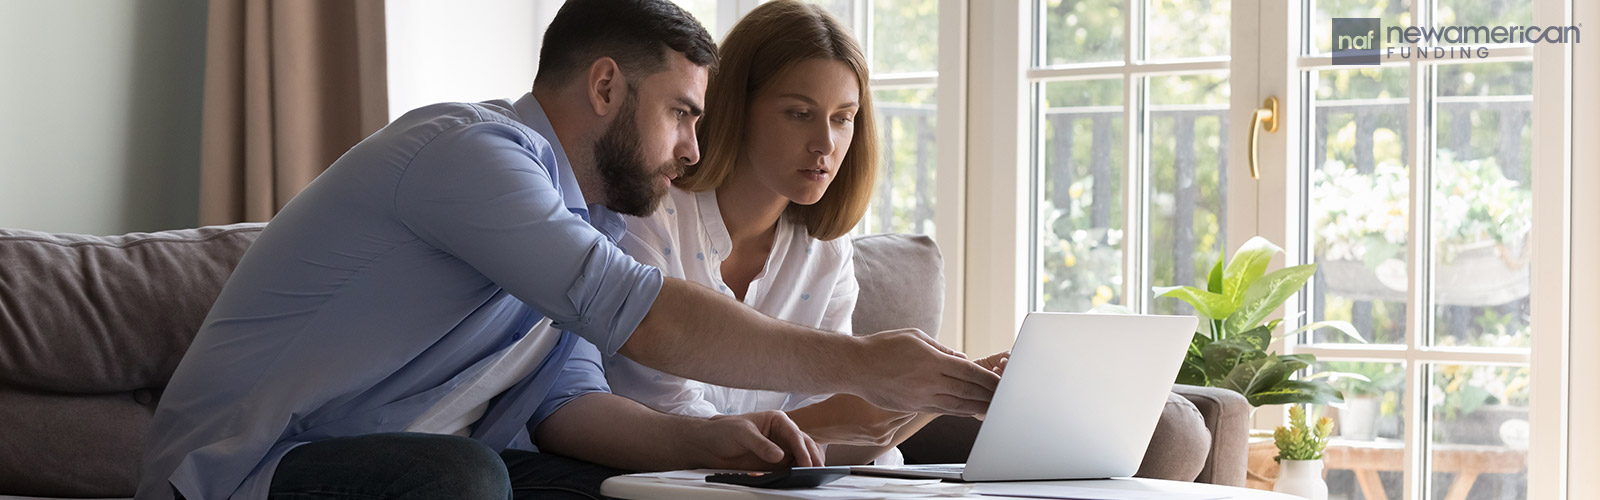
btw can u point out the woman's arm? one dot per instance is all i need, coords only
(861, 455)
(617, 432)
(848, 420)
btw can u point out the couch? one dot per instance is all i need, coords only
(92, 327)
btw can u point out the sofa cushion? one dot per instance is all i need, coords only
(902, 283)
(91, 329)
(90, 314)
(1177, 450)
(1179, 445)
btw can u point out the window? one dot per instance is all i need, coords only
(1129, 134)
(1413, 185)
(1418, 208)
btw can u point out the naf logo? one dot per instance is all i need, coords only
(1356, 40)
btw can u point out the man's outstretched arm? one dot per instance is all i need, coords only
(693, 332)
(477, 194)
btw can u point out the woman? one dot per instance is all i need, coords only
(789, 161)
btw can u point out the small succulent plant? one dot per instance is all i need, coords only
(1299, 441)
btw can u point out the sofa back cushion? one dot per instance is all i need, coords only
(902, 283)
(91, 329)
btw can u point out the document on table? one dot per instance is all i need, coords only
(846, 488)
(1065, 490)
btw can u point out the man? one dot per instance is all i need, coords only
(429, 314)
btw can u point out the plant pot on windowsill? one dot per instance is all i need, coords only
(1482, 273)
(1494, 425)
(1358, 420)
(1301, 478)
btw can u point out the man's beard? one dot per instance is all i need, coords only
(630, 184)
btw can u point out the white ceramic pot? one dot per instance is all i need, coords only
(1302, 478)
(1358, 418)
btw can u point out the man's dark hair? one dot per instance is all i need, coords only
(634, 33)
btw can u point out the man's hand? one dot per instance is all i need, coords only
(849, 420)
(753, 441)
(908, 371)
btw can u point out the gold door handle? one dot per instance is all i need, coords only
(1266, 116)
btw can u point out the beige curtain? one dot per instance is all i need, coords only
(290, 85)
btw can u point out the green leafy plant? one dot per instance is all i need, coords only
(1230, 348)
(1354, 378)
(1299, 441)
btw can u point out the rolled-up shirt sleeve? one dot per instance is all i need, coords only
(482, 193)
(580, 375)
(658, 390)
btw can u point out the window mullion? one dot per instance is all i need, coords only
(951, 187)
(996, 213)
(1419, 318)
(1267, 70)
(1135, 264)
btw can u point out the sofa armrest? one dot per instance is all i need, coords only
(1227, 416)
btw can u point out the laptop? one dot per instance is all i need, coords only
(1079, 400)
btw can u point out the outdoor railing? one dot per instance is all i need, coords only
(915, 124)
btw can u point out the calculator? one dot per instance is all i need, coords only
(796, 477)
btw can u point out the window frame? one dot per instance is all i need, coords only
(1583, 391)
(1281, 75)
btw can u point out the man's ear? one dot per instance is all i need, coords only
(606, 86)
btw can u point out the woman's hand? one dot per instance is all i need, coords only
(996, 362)
(762, 440)
(849, 420)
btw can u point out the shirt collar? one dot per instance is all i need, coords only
(711, 221)
(531, 114)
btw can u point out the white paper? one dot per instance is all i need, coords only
(845, 488)
(871, 488)
(1038, 490)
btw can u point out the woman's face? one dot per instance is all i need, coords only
(799, 128)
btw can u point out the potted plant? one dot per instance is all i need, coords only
(1300, 455)
(1480, 405)
(1369, 394)
(1230, 348)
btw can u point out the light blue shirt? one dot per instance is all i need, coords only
(404, 268)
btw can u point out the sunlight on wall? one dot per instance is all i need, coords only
(462, 50)
(102, 127)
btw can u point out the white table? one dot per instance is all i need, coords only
(633, 487)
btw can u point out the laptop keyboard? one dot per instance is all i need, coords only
(955, 469)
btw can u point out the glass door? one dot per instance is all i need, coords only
(1410, 183)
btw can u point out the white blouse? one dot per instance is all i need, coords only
(805, 281)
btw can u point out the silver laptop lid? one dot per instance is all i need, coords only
(1080, 397)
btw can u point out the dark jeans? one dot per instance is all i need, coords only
(410, 466)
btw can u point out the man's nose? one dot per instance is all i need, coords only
(689, 149)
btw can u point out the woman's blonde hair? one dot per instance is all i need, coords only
(771, 39)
